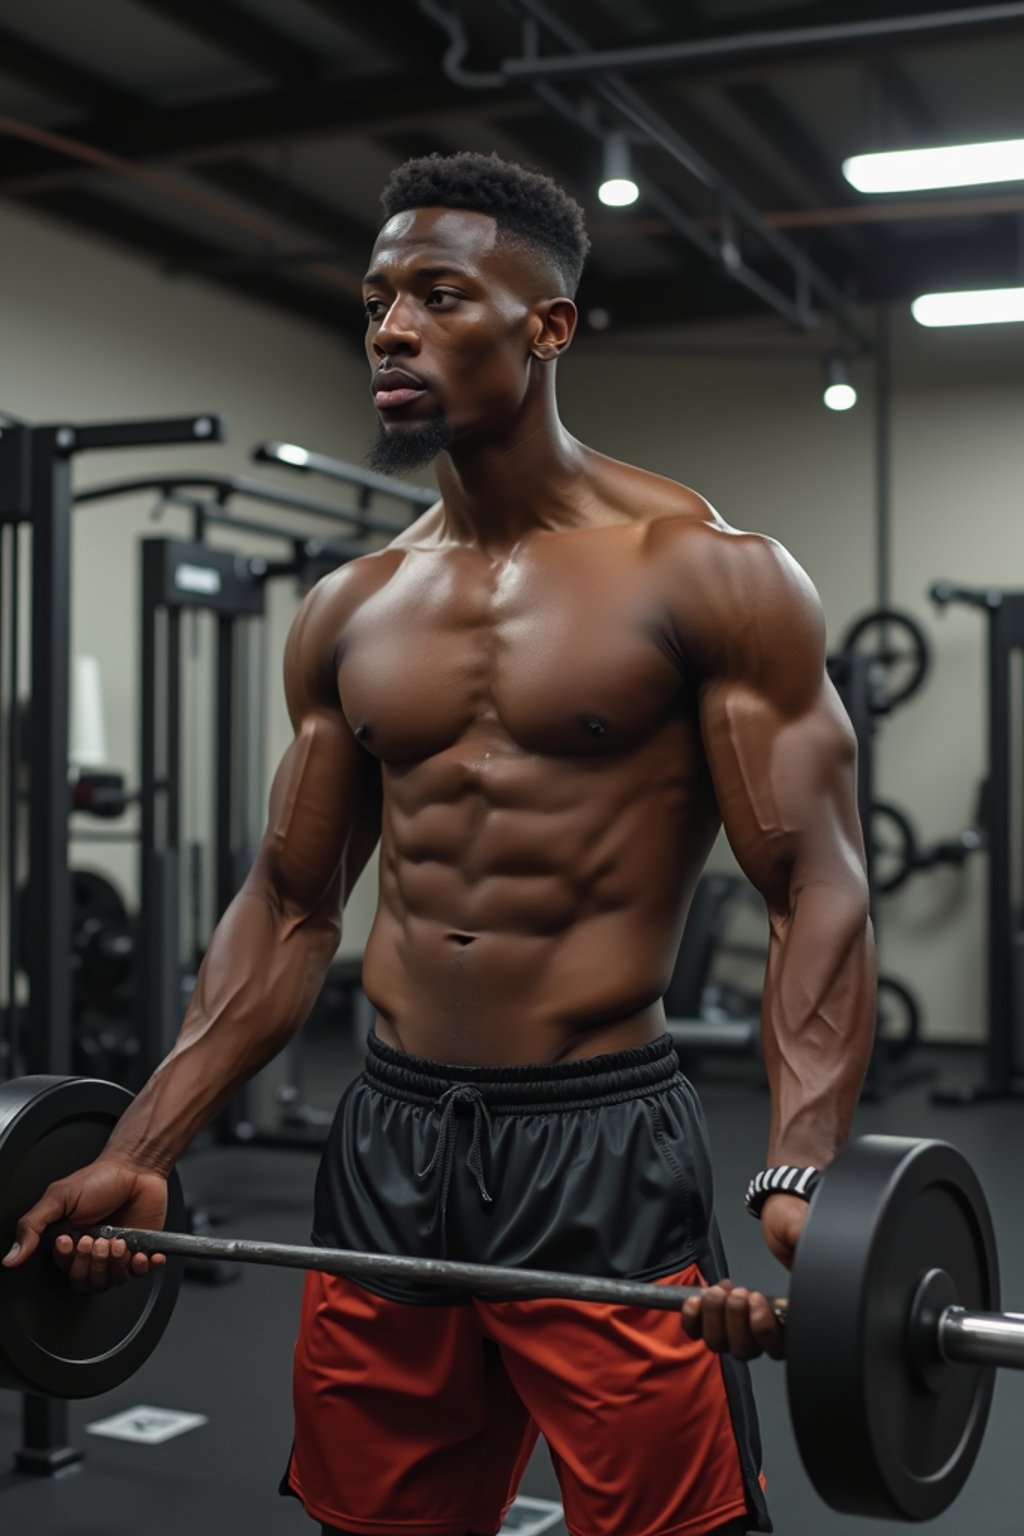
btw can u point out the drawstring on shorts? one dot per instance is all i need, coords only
(447, 1135)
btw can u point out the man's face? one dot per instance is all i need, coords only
(448, 310)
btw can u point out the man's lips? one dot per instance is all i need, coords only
(395, 387)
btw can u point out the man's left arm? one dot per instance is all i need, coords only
(782, 757)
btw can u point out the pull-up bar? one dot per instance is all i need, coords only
(224, 487)
(308, 462)
(308, 548)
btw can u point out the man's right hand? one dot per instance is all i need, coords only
(107, 1190)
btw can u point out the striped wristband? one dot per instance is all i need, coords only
(786, 1180)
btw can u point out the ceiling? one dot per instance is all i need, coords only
(245, 142)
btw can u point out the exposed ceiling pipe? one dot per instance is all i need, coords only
(750, 47)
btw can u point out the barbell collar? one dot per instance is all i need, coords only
(982, 1338)
(482, 1279)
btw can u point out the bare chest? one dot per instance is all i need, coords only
(558, 654)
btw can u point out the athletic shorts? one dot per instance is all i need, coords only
(417, 1408)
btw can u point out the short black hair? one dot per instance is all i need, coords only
(526, 204)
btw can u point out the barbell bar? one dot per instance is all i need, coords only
(892, 1328)
(475, 1279)
(952, 1335)
(957, 1336)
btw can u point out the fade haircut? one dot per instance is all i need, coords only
(529, 207)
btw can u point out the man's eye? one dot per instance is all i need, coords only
(373, 308)
(439, 296)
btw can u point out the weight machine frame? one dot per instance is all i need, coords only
(1004, 1048)
(36, 464)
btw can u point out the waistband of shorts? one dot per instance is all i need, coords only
(614, 1078)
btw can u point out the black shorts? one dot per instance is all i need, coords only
(416, 1407)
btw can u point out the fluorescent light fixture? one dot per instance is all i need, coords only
(983, 306)
(617, 189)
(839, 394)
(958, 165)
(290, 453)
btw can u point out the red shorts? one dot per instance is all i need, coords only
(430, 1413)
(416, 1407)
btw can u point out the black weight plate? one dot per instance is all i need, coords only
(874, 1439)
(893, 847)
(896, 647)
(92, 895)
(53, 1340)
(899, 1018)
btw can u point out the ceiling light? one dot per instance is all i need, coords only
(839, 394)
(617, 189)
(983, 306)
(958, 165)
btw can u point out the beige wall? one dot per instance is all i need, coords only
(89, 334)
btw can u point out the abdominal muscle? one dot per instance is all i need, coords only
(538, 930)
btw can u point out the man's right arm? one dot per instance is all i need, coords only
(269, 954)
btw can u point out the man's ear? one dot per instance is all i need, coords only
(555, 323)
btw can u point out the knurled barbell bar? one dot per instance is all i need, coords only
(891, 1335)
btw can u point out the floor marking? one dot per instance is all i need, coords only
(529, 1517)
(148, 1426)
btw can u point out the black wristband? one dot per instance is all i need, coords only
(785, 1180)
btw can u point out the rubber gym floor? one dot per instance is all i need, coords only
(227, 1352)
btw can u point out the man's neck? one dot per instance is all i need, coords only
(497, 492)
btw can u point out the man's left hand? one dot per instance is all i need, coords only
(732, 1320)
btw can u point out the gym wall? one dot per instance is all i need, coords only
(90, 333)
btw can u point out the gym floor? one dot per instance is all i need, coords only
(228, 1349)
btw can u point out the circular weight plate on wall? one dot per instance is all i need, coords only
(879, 1435)
(899, 1018)
(53, 1340)
(898, 653)
(893, 847)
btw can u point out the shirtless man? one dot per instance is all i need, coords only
(542, 700)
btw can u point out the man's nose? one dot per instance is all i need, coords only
(396, 334)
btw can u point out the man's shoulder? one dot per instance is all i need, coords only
(726, 589)
(689, 537)
(649, 498)
(337, 596)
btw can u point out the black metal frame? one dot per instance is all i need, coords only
(35, 494)
(181, 576)
(1004, 1048)
(233, 587)
(309, 461)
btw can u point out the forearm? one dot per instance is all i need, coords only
(818, 1021)
(261, 975)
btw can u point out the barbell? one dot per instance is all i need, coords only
(891, 1332)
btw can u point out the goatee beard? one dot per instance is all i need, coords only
(395, 453)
